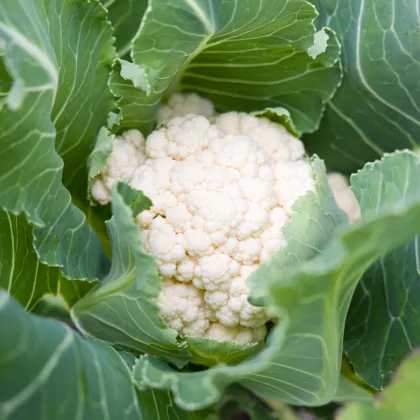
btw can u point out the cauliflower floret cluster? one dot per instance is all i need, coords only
(344, 196)
(241, 335)
(183, 308)
(221, 194)
(181, 104)
(128, 153)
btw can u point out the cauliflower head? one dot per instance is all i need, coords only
(221, 192)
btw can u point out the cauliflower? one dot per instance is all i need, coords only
(221, 192)
(344, 196)
(182, 104)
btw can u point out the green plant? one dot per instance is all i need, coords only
(83, 333)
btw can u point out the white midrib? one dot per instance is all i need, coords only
(12, 240)
(208, 24)
(32, 50)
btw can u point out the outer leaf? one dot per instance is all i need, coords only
(377, 108)
(280, 116)
(125, 16)
(134, 103)
(49, 372)
(60, 94)
(84, 54)
(136, 200)
(243, 56)
(383, 325)
(160, 405)
(301, 361)
(123, 309)
(399, 401)
(21, 272)
(211, 352)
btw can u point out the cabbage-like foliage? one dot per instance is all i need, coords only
(74, 74)
(243, 56)
(377, 108)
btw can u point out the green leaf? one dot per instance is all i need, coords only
(83, 99)
(100, 153)
(320, 43)
(280, 116)
(49, 372)
(383, 324)
(96, 217)
(21, 272)
(60, 97)
(51, 306)
(399, 401)
(125, 16)
(114, 119)
(300, 363)
(377, 108)
(134, 104)
(211, 352)
(136, 75)
(136, 200)
(350, 391)
(160, 405)
(123, 309)
(243, 57)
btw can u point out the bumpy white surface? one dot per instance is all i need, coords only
(183, 308)
(128, 153)
(181, 104)
(344, 196)
(221, 193)
(241, 335)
